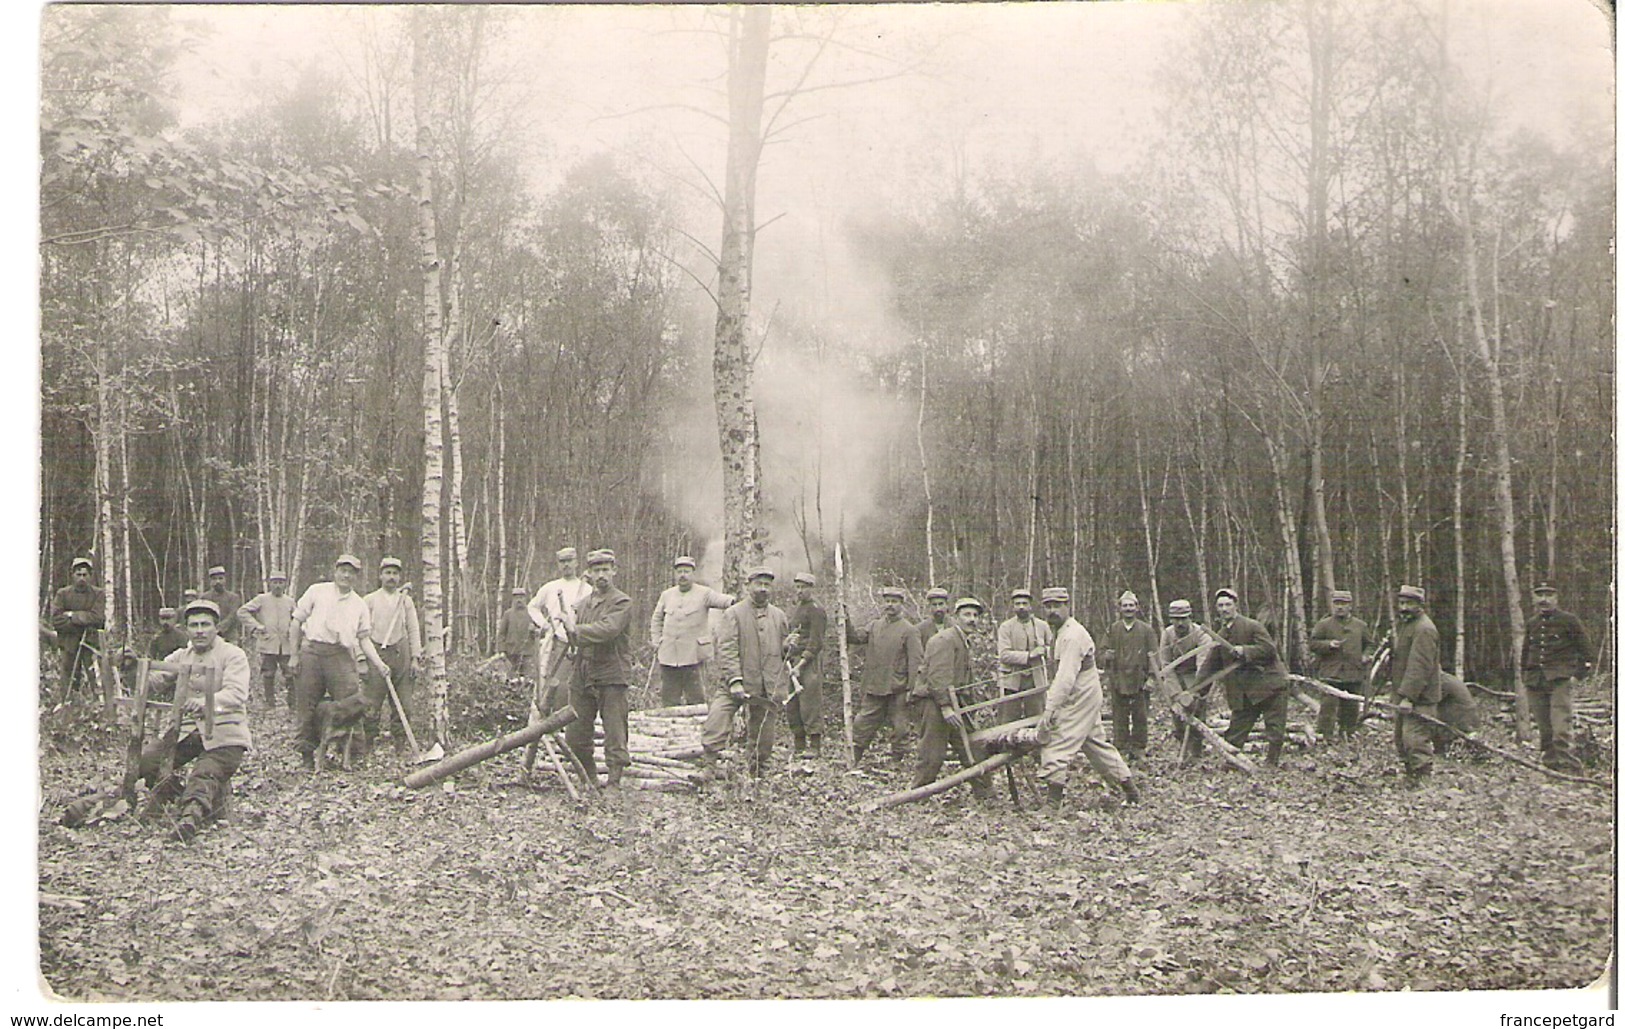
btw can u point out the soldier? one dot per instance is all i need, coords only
(1023, 643)
(78, 611)
(226, 600)
(750, 653)
(217, 753)
(399, 639)
(552, 608)
(1258, 685)
(169, 638)
(1414, 672)
(1177, 658)
(1071, 721)
(269, 618)
(1127, 656)
(804, 650)
(1342, 648)
(516, 635)
(947, 666)
(936, 619)
(679, 630)
(1556, 651)
(890, 667)
(601, 633)
(330, 623)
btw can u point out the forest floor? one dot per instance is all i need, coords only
(1323, 876)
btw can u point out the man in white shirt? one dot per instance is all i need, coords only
(1071, 720)
(553, 609)
(679, 630)
(269, 619)
(396, 634)
(330, 622)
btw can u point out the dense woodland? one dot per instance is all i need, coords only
(1348, 327)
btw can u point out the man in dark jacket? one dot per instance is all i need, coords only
(1556, 651)
(601, 637)
(1126, 656)
(1342, 646)
(77, 613)
(516, 635)
(169, 639)
(226, 600)
(947, 666)
(890, 667)
(750, 659)
(1257, 687)
(1415, 674)
(803, 650)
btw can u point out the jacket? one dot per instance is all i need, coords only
(947, 665)
(1016, 640)
(230, 700)
(1076, 673)
(809, 623)
(270, 618)
(76, 612)
(1555, 647)
(1171, 654)
(750, 647)
(166, 643)
(516, 633)
(1414, 669)
(1131, 648)
(892, 661)
(229, 603)
(1345, 663)
(929, 628)
(604, 635)
(1260, 673)
(679, 629)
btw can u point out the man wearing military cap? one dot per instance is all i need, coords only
(936, 618)
(226, 600)
(601, 634)
(269, 619)
(680, 632)
(1127, 657)
(891, 664)
(398, 636)
(78, 611)
(804, 650)
(213, 750)
(1556, 651)
(750, 658)
(331, 622)
(1417, 683)
(1071, 720)
(1341, 646)
(1257, 687)
(516, 634)
(169, 639)
(947, 667)
(1023, 642)
(1179, 660)
(552, 609)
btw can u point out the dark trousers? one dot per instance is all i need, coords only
(270, 666)
(936, 736)
(325, 670)
(519, 661)
(1244, 712)
(591, 703)
(1413, 738)
(378, 711)
(553, 689)
(1552, 703)
(680, 684)
(878, 708)
(1191, 741)
(1128, 722)
(209, 782)
(1338, 715)
(78, 662)
(806, 712)
(761, 726)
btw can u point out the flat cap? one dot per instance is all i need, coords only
(277, 574)
(1056, 595)
(218, 570)
(348, 559)
(760, 572)
(892, 592)
(604, 556)
(964, 602)
(1415, 593)
(936, 593)
(805, 579)
(1226, 591)
(1343, 595)
(683, 562)
(1179, 609)
(206, 606)
(188, 594)
(1128, 597)
(390, 562)
(1545, 586)
(166, 612)
(565, 554)
(1021, 593)
(520, 591)
(82, 562)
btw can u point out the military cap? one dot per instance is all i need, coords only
(1343, 595)
(1021, 593)
(520, 591)
(805, 579)
(1179, 609)
(1545, 586)
(1128, 597)
(683, 562)
(964, 602)
(760, 572)
(1056, 595)
(188, 594)
(1415, 593)
(218, 570)
(565, 554)
(82, 562)
(207, 606)
(604, 556)
(390, 562)
(276, 575)
(166, 612)
(348, 559)
(892, 592)
(1226, 591)
(936, 593)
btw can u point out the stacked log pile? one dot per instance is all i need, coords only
(664, 743)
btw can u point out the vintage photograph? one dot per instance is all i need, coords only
(843, 502)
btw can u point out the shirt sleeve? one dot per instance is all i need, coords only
(306, 605)
(611, 624)
(657, 622)
(728, 662)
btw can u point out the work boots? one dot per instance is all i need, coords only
(191, 822)
(1273, 756)
(815, 744)
(800, 742)
(614, 782)
(1054, 793)
(1131, 792)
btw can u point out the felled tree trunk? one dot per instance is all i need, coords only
(471, 756)
(981, 768)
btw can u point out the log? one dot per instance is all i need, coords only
(1021, 739)
(1166, 694)
(981, 768)
(470, 756)
(680, 711)
(999, 732)
(681, 753)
